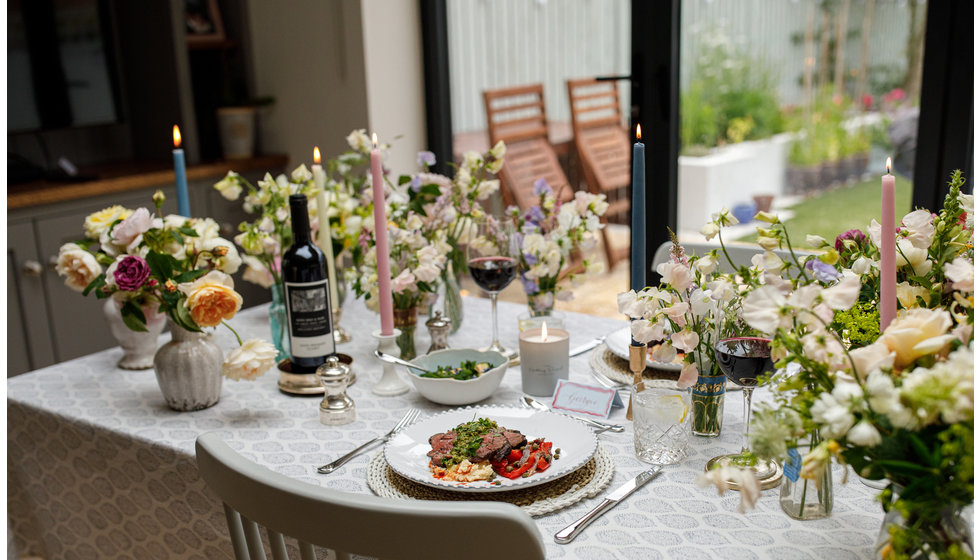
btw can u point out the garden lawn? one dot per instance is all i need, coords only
(835, 211)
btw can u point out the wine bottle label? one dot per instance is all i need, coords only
(310, 319)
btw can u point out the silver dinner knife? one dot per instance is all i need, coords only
(566, 535)
(582, 349)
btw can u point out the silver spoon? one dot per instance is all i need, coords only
(528, 402)
(393, 360)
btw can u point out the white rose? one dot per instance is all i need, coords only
(77, 266)
(960, 271)
(250, 360)
(864, 434)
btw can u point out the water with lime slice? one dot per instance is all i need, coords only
(661, 423)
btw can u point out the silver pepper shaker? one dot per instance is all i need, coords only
(439, 328)
(336, 407)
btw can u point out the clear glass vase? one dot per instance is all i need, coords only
(804, 498)
(278, 323)
(452, 300)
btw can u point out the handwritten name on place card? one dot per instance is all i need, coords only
(588, 400)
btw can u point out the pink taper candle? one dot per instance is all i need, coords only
(381, 241)
(888, 281)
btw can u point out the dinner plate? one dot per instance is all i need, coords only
(619, 344)
(406, 451)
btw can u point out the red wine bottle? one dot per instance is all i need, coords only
(308, 308)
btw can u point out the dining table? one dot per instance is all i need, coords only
(98, 466)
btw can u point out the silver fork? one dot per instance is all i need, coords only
(410, 416)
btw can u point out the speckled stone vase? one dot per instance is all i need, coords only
(188, 369)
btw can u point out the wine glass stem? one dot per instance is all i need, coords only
(747, 414)
(493, 316)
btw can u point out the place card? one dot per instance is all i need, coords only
(588, 400)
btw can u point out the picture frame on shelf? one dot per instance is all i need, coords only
(203, 22)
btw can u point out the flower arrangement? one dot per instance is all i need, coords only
(174, 265)
(548, 233)
(894, 405)
(266, 237)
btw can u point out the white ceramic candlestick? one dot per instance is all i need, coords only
(390, 384)
(544, 360)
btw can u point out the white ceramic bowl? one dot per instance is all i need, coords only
(452, 391)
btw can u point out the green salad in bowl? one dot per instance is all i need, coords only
(458, 376)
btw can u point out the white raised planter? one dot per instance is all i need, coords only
(729, 176)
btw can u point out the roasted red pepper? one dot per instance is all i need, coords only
(535, 456)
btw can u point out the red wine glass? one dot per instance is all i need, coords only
(743, 354)
(492, 260)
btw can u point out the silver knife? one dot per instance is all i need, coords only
(587, 346)
(566, 535)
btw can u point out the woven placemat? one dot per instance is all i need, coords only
(586, 482)
(604, 361)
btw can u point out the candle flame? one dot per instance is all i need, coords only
(638, 135)
(374, 139)
(888, 166)
(316, 155)
(544, 331)
(176, 136)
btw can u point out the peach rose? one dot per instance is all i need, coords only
(918, 332)
(77, 266)
(212, 298)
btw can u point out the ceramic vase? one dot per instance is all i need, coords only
(138, 346)
(188, 369)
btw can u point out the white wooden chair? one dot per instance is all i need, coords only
(741, 254)
(354, 523)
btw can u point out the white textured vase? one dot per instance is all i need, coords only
(188, 369)
(138, 347)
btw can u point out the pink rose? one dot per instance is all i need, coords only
(132, 227)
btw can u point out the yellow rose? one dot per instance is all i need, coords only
(98, 222)
(916, 333)
(907, 295)
(212, 298)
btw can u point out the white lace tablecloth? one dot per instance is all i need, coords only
(99, 467)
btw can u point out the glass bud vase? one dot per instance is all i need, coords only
(405, 321)
(452, 302)
(804, 498)
(278, 323)
(708, 403)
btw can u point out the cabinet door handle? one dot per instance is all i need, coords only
(32, 268)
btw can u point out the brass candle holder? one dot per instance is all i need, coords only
(638, 363)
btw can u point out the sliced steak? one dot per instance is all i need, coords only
(441, 444)
(495, 447)
(515, 438)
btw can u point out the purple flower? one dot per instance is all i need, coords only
(426, 158)
(822, 271)
(535, 215)
(415, 184)
(531, 259)
(541, 187)
(855, 235)
(131, 273)
(530, 286)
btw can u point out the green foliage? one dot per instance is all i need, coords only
(859, 325)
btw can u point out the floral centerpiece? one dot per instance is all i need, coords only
(168, 264)
(894, 405)
(549, 233)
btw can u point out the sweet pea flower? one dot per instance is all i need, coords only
(229, 186)
(762, 308)
(919, 228)
(844, 294)
(688, 376)
(748, 484)
(960, 272)
(426, 158)
(644, 330)
(403, 282)
(864, 434)
(822, 271)
(861, 265)
(710, 230)
(676, 275)
(686, 340)
(907, 254)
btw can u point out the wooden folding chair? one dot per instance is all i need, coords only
(348, 523)
(603, 148)
(517, 116)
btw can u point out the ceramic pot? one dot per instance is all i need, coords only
(138, 346)
(188, 369)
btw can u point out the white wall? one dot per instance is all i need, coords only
(395, 89)
(309, 55)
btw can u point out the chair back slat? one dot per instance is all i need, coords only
(517, 116)
(256, 550)
(357, 523)
(307, 552)
(277, 544)
(236, 533)
(603, 148)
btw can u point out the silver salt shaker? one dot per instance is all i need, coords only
(336, 407)
(439, 328)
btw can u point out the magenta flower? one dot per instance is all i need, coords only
(131, 273)
(855, 235)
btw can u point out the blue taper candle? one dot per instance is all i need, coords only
(180, 170)
(638, 228)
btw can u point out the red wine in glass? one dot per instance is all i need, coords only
(493, 273)
(744, 359)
